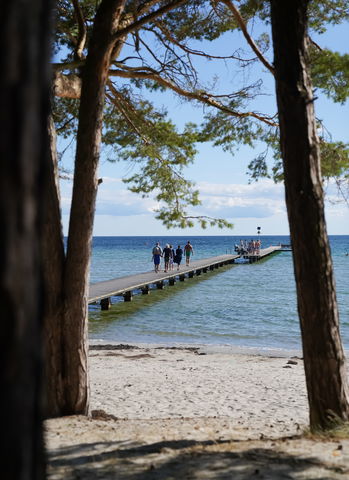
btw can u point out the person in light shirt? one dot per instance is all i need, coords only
(157, 254)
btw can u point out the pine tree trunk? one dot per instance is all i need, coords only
(76, 275)
(24, 99)
(324, 361)
(53, 256)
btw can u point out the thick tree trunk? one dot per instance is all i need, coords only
(52, 249)
(324, 360)
(76, 279)
(66, 86)
(24, 109)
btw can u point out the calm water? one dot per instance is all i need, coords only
(249, 306)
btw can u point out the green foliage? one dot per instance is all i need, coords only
(195, 20)
(138, 133)
(65, 116)
(330, 72)
(230, 132)
(334, 159)
(255, 8)
(334, 162)
(146, 138)
(259, 168)
(158, 154)
(67, 31)
(327, 12)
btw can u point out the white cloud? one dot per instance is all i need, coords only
(257, 200)
(263, 188)
(112, 199)
(235, 202)
(121, 202)
(112, 180)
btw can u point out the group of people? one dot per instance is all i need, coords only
(171, 256)
(252, 247)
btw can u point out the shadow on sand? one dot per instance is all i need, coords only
(188, 459)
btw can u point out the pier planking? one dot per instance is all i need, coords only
(264, 252)
(124, 286)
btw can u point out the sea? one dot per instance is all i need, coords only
(244, 306)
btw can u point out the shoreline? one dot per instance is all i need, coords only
(203, 347)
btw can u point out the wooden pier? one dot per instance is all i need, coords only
(286, 247)
(125, 286)
(264, 252)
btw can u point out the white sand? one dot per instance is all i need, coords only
(254, 394)
(164, 414)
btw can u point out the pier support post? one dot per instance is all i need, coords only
(105, 303)
(127, 296)
(160, 285)
(171, 281)
(204, 270)
(181, 278)
(190, 274)
(145, 290)
(198, 272)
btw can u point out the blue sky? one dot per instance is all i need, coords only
(220, 177)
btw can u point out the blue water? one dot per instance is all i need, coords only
(247, 306)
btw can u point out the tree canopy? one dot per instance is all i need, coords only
(170, 52)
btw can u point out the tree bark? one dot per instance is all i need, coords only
(52, 249)
(25, 29)
(324, 361)
(66, 86)
(68, 278)
(76, 274)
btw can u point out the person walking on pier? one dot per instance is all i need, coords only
(167, 255)
(157, 254)
(178, 257)
(188, 250)
(259, 244)
(172, 257)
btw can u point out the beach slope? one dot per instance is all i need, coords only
(192, 412)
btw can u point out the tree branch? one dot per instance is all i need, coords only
(117, 100)
(197, 95)
(148, 18)
(248, 38)
(70, 85)
(125, 108)
(190, 51)
(82, 30)
(59, 67)
(314, 44)
(186, 71)
(126, 21)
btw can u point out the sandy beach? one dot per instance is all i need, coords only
(253, 393)
(198, 398)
